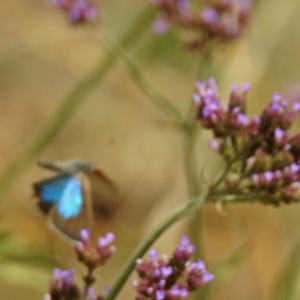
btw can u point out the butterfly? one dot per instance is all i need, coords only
(74, 196)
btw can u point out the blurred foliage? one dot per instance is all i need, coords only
(21, 266)
(287, 286)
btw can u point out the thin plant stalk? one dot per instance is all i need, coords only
(191, 164)
(139, 77)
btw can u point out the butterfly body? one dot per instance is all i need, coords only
(69, 197)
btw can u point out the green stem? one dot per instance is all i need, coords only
(228, 198)
(192, 170)
(193, 178)
(146, 86)
(192, 133)
(192, 167)
(69, 106)
(191, 164)
(228, 166)
(177, 215)
(89, 279)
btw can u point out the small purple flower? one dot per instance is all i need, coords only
(183, 4)
(197, 275)
(209, 109)
(226, 20)
(63, 285)
(91, 295)
(83, 12)
(77, 11)
(85, 235)
(106, 240)
(184, 251)
(218, 20)
(208, 89)
(211, 18)
(162, 24)
(253, 126)
(296, 106)
(291, 173)
(153, 254)
(104, 247)
(278, 114)
(64, 275)
(281, 137)
(217, 145)
(177, 292)
(91, 255)
(237, 119)
(238, 96)
(291, 192)
(166, 272)
(266, 179)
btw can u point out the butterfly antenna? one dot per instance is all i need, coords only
(103, 148)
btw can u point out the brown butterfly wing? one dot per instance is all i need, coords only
(106, 200)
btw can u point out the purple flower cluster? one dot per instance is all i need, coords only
(77, 11)
(170, 279)
(224, 120)
(266, 155)
(63, 285)
(226, 19)
(93, 256)
(217, 20)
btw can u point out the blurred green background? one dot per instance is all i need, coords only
(253, 249)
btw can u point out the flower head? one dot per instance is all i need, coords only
(217, 20)
(266, 156)
(172, 279)
(63, 285)
(91, 255)
(77, 11)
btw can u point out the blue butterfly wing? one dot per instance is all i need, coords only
(73, 211)
(70, 202)
(50, 191)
